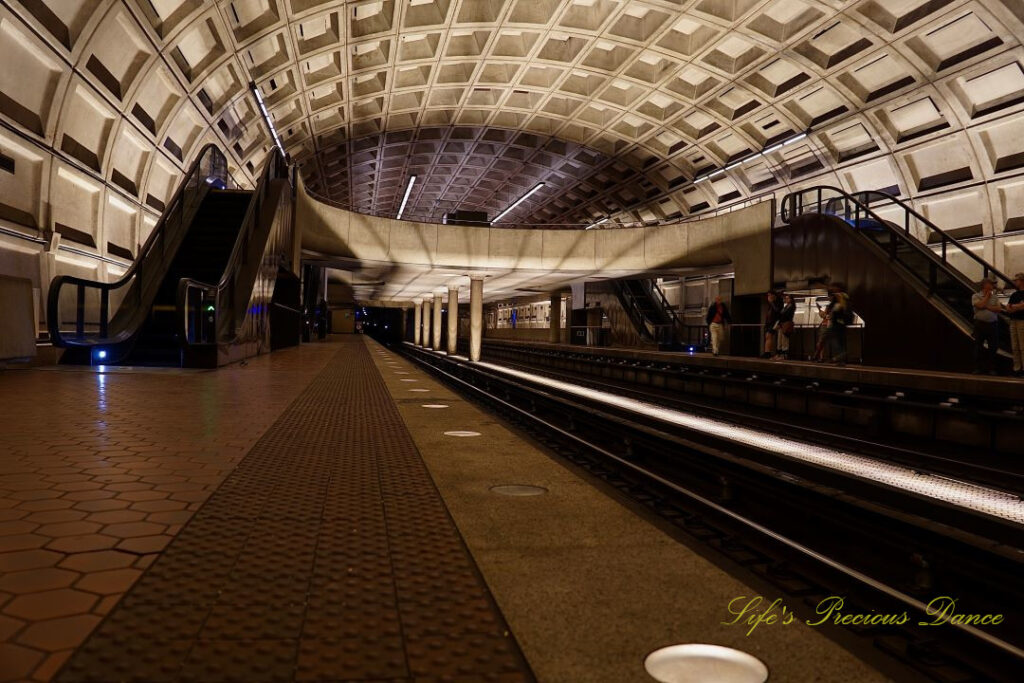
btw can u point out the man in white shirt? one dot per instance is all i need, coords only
(986, 327)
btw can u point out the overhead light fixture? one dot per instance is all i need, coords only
(517, 202)
(594, 225)
(756, 155)
(408, 191)
(266, 117)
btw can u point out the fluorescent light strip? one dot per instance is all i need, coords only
(408, 190)
(755, 155)
(517, 202)
(959, 493)
(594, 225)
(266, 118)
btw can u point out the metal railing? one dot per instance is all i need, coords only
(946, 269)
(861, 210)
(212, 313)
(664, 333)
(87, 313)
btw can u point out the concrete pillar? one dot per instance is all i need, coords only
(404, 324)
(555, 324)
(417, 323)
(426, 323)
(476, 317)
(436, 337)
(453, 319)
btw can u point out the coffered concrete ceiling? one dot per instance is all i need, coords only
(616, 106)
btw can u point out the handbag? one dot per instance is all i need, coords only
(787, 327)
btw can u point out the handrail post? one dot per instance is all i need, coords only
(104, 310)
(80, 312)
(819, 199)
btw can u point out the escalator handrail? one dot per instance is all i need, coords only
(630, 306)
(275, 168)
(677, 324)
(905, 234)
(175, 204)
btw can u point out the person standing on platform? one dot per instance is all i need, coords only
(717, 318)
(840, 316)
(1015, 308)
(771, 319)
(824, 329)
(986, 327)
(785, 326)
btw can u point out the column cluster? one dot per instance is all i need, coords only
(427, 323)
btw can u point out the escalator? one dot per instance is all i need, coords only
(203, 256)
(910, 281)
(199, 293)
(654, 319)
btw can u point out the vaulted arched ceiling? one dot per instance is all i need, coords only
(617, 106)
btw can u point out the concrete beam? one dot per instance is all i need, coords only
(740, 238)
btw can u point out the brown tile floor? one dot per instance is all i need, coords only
(98, 472)
(326, 555)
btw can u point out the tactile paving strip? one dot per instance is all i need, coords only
(327, 554)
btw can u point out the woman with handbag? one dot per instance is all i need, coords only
(785, 326)
(771, 324)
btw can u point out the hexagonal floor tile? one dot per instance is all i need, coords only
(82, 544)
(134, 529)
(28, 559)
(36, 580)
(59, 634)
(98, 561)
(109, 582)
(50, 604)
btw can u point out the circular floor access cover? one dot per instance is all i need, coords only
(519, 490)
(461, 433)
(702, 663)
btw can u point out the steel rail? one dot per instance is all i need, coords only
(992, 476)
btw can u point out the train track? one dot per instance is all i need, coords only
(810, 532)
(1000, 472)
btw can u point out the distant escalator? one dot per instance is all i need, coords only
(654, 319)
(910, 281)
